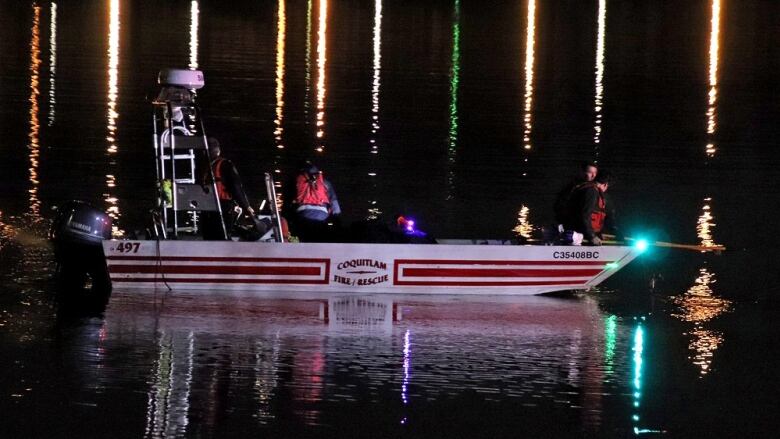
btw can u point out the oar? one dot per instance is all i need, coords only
(717, 248)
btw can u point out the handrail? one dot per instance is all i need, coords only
(271, 194)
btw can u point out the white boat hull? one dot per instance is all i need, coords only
(361, 268)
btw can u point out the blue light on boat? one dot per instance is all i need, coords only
(641, 245)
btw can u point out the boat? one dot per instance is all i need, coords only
(174, 257)
(361, 268)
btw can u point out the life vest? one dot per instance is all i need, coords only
(599, 215)
(597, 218)
(222, 191)
(311, 191)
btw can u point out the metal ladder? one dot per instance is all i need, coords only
(180, 143)
(276, 217)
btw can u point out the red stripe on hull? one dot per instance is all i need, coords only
(161, 280)
(494, 272)
(216, 269)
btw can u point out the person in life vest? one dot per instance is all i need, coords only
(232, 197)
(315, 198)
(312, 206)
(588, 211)
(586, 172)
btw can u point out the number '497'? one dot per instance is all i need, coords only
(128, 247)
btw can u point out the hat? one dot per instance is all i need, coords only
(603, 176)
(310, 168)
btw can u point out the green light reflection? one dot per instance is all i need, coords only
(610, 342)
(454, 82)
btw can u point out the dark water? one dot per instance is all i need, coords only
(467, 116)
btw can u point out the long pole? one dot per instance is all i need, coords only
(702, 248)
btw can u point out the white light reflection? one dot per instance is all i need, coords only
(530, 42)
(713, 77)
(307, 88)
(600, 48)
(705, 224)
(373, 211)
(698, 306)
(321, 58)
(113, 74)
(194, 25)
(113, 115)
(524, 227)
(281, 37)
(407, 373)
(167, 411)
(34, 146)
(266, 370)
(377, 73)
(52, 63)
(281, 32)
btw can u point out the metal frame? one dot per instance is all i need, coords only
(163, 171)
(271, 194)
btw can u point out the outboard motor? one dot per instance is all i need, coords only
(77, 233)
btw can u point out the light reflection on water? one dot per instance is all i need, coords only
(524, 228)
(281, 33)
(713, 77)
(705, 224)
(600, 50)
(322, 36)
(112, 114)
(191, 369)
(194, 36)
(169, 395)
(699, 305)
(307, 61)
(52, 63)
(34, 146)
(530, 43)
(452, 140)
(374, 207)
(306, 354)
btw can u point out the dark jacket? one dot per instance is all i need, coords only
(583, 202)
(562, 200)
